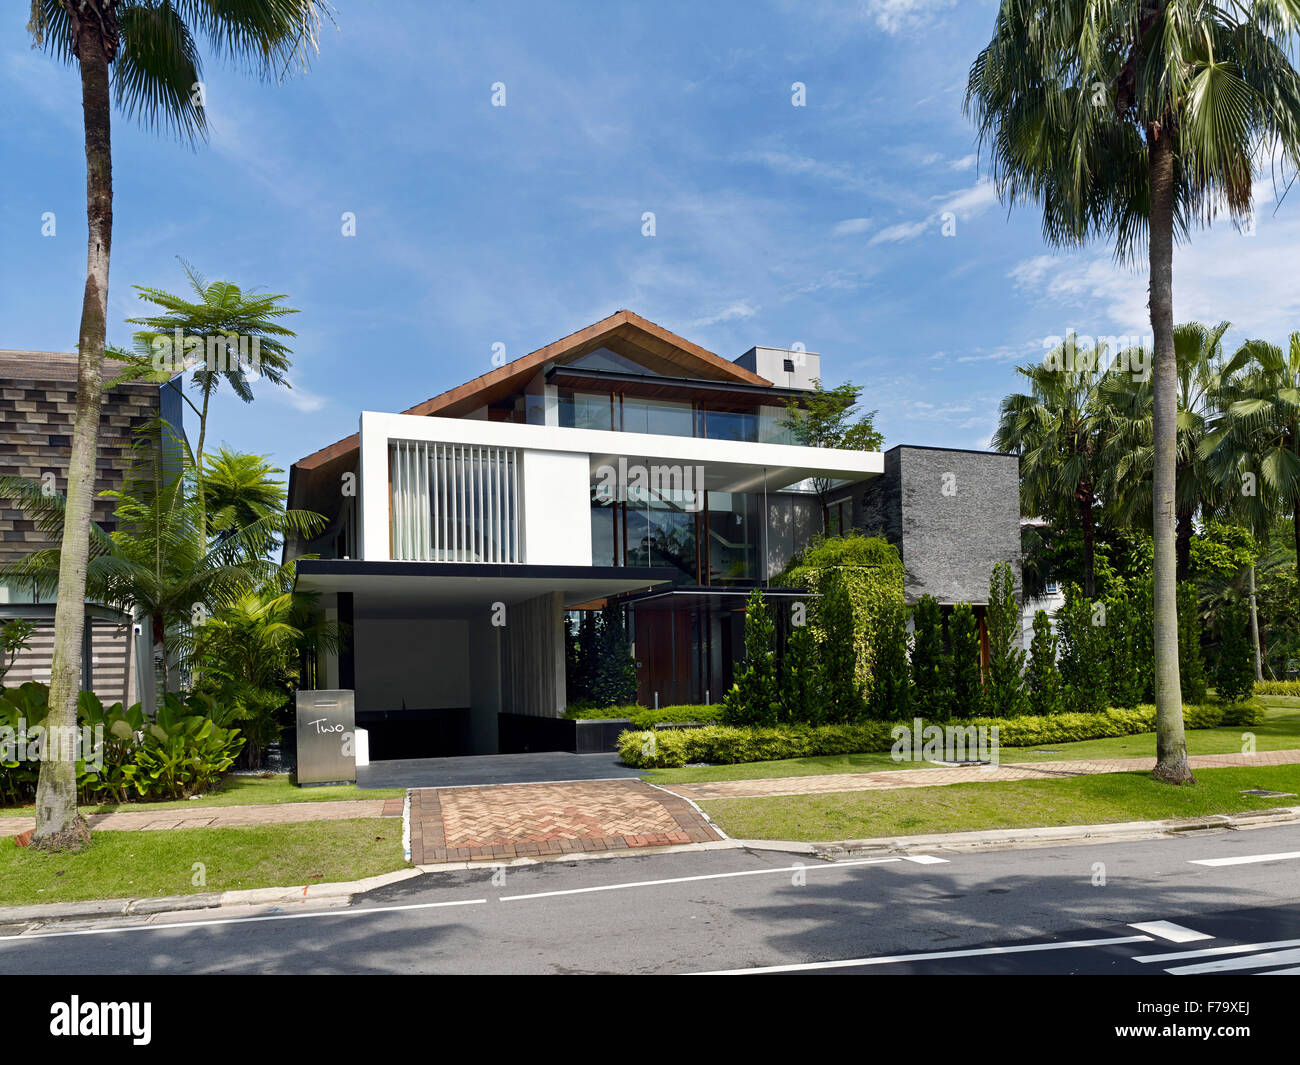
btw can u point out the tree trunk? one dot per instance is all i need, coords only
(1171, 747)
(1254, 628)
(58, 824)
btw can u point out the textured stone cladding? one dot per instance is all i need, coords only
(36, 413)
(952, 514)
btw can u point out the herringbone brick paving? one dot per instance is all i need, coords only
(531, 820)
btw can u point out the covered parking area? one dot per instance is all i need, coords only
(447, 658)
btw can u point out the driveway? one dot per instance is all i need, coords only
(541, 767)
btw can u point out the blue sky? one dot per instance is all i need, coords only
(477, 225)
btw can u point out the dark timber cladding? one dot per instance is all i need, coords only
(953, 515)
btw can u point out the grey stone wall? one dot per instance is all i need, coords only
(952, 514)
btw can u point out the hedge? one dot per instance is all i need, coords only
(647, 717)
(1278, 687)
(724, 745)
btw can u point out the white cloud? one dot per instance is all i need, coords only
(964, 204)
(1221, 274)
(966, 162)
(850, 226)
(733, 312)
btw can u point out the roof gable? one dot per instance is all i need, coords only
(651, 345)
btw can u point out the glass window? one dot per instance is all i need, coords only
(604, 359)
(662, 417)
(731, 425)
(585, 410)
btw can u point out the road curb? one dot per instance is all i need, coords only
(54, 912)
(1013, 838)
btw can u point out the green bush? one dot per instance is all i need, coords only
(178, 754)
(1278, 687)
(1234, 673)
(725, 745)
(1191, 664)
(1042, 677)
(755, 697)
(1081, 628)
(800, 664)
(891, 694)
(839, 683)
(648, 716)
(1006, 684)
(966, 681)
(931, 698)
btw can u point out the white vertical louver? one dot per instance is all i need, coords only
(454, 502)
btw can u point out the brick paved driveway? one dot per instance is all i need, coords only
(520, 820)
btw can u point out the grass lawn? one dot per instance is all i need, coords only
(139, 864)
(243, 791)
(1280, 730)
(1087, 800)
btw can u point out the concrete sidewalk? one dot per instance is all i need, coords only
(983, 774)
(146, 819)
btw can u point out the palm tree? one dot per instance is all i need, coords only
(1059, 430)
(1262, 420)
(1135, 120)
(1203, 377)
(156, 69)
(238, 489)
(158, 564)
(223, 310)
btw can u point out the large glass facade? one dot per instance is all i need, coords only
(666, 417)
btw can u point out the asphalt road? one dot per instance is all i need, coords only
(732, 910)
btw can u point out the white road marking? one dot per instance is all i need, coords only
(924, 859)
(361, 912)
(1073, 944)
(1224, 965)
(1175, 933)
(1249, 859)
(689, 879)
(1209, 952)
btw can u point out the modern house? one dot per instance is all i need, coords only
(38, 397)
(621, 463)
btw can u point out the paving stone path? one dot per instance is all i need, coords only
(928, 778)
(147, 819)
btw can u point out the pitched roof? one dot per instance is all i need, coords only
(624, 332)
(17, 365)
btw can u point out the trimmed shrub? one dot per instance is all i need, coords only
(1191, 663)
(1042, 677)
(755, 697)
(1081, 631)
(800, 694)
(724, 745)
(1234, 674)
(1126, 672)
(839, 689)
(1278, 687)
(891, 694)
(1006, 682)
(966, 682)
(930, 696)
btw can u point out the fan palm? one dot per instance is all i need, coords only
(1203, 376)
(1134, 121)
(1059, 429)
(149, 45)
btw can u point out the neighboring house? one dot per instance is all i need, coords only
(38, 394)
(620, 463)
